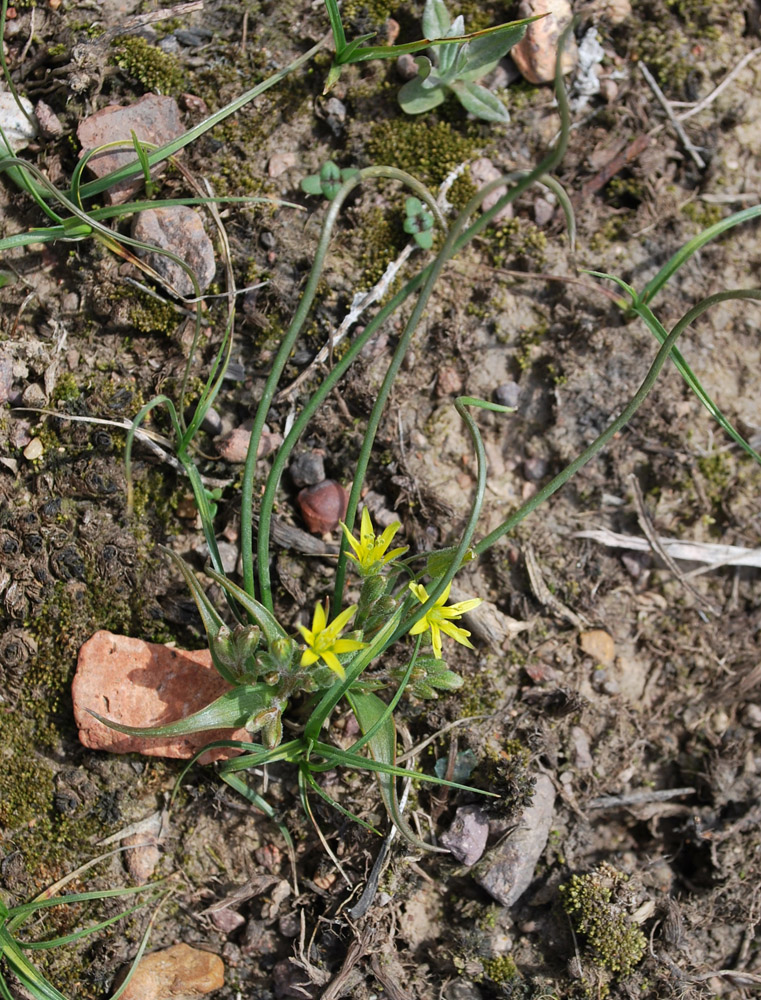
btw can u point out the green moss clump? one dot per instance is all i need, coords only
(156, 70)
(150, 315)
(501, 969)
(701, 214)
(382, 239)
(372, 11)
(429, 152)
(26, 782)
(518, 241)
(595, 906)
(66, 388)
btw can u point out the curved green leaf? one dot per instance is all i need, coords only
(229, 711)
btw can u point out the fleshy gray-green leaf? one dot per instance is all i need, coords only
(480, 102)
(436, 20)
(415, 98)
(483, 54)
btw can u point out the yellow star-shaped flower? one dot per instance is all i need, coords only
(324, 641)
(439, 618)
(370, 553)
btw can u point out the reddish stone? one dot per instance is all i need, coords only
(140, 683)
(536, 53)
(154, 118)
(179, 973)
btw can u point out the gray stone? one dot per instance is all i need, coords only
(508, 869)
(307, 469)
(466, 837)
(179, 229)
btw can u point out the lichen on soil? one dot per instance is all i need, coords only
(652, 898)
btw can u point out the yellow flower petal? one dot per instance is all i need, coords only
(442, 598)
(308, 657)
(333, 662)
(319, 619)
(460, 635)
(419, 591)
(341, 621)
(421, 626)
(366, 534)
(352, 541)
(347, 645)
(308, 635)
(436, 640)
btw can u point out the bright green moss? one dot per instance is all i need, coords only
(425, 150)
(157, 71)
(593, 903)
(501, 969)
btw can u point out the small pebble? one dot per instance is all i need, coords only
(49, 122)
(70, 303)
(535, 469)
(33, 450)
(508, 869)
(33, 396)
(280, 162)
(507, 394)
(267, 239)
(406, 67)
(543, 211)
(483, 172)
(466, 837)
(581, 752)
(323, 506)
(307, 469)
(752, 716)
(598, 644)
(535, 54)
(449, 382)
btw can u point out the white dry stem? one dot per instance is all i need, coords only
(700, 552)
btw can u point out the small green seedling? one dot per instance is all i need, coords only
(328, 181)
(418, 223)
(455, 68)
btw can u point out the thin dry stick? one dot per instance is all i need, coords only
(647, 527)
(640, 798)
(709, 98)
(664, 103)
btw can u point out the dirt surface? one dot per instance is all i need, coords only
(666, 699)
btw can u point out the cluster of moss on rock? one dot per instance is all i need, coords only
(594, 905)
(156, 70)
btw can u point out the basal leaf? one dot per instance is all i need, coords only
(415, 98)
(480, 102)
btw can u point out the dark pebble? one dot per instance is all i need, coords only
(307, 469)
(267, 239)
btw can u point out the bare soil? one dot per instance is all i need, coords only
(677, 705)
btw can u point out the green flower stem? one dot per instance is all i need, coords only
(624, 417)
(454, 242)
(286, 346)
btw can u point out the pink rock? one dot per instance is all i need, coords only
(177, 228)
(483, 172)
(153, 118)
(140, 683)
(233, 447)
(536, 53)
(176, 973)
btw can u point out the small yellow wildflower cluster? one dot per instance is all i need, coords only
(371, 555)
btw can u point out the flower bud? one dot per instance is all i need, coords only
(234, 649)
